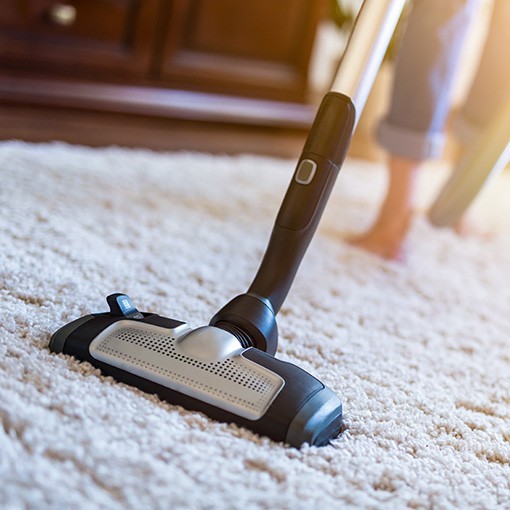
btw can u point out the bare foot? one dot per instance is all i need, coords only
(464, 227)
(386, 237)
(468, 227)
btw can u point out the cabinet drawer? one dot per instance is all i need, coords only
(78, 36)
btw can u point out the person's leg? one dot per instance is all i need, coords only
(489, 89)
(482, 111)
(395, 214)
(413, 128)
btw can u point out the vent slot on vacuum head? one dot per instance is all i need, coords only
(236, 384)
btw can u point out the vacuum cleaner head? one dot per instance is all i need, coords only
(204, 369)
(227, 368)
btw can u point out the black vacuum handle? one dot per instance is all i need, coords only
(323, 154)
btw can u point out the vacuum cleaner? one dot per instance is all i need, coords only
(227, 369)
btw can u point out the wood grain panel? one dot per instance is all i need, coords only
(257, 48)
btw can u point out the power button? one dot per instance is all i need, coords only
(306, 171)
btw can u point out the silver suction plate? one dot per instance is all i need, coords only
(234, 384)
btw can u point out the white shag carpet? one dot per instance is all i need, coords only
(419, 351)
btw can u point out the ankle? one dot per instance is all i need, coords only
(395, 213)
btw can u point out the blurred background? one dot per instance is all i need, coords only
(208, 75)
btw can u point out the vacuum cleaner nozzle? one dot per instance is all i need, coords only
(227, 369)
(205, 369)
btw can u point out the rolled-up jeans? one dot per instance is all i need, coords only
(426, 64)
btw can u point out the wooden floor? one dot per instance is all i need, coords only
(38, 124)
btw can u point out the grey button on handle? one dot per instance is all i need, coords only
(306, 171)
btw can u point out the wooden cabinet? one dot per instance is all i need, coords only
(96, 39)
(129, 53)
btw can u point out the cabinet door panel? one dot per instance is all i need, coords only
(258, 48)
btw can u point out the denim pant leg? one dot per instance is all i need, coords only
(490, 88)
(426, 63)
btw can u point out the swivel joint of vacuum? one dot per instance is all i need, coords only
(251, 319)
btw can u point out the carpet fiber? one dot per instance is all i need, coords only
(419, 350)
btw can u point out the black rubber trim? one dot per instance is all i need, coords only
(318, 421)
(58, 339)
